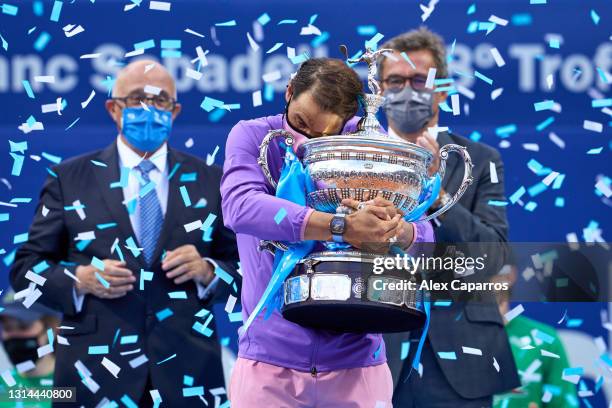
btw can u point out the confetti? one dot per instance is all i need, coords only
(514, 312)
(431, 76)
(593, 126)
(111, 367)
(595, 17)
(544, 105)
(447, 355)
(483, 77)
(499, 60)
(472, 351)
(160, 5)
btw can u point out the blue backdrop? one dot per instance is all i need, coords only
(567, 41)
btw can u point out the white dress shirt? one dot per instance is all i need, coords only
(159, 175)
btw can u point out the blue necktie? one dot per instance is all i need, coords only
(150, 217)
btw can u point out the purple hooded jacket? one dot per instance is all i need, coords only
(249, 207)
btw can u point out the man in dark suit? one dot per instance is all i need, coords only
(412, 111)
(131, 242)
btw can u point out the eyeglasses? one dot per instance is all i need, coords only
(396, 83)
(159, 101)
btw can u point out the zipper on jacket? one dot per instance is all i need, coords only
(313, 366)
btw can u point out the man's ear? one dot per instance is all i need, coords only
(288, 92)
(176, 111)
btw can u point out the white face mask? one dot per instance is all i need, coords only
(409, 110)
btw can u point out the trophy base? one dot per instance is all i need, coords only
(339, 291)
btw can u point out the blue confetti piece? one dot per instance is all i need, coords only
(235, 317)
(187, 380)
(144, 45)
(17, 164)
(171, 54)
(37, 8)
(537, 189)
(230, 23)
(106, 226)
(378, 350)
(366, 30)
(602, 75)
(595, 150)
(41, 267)
(20, 238)
(9, 258)
(209, 104)
(405, 350)
(166, 359)
(188, 177)
(497, 203)
(483, 77)
(164, 314)
(521, 19)
(447, 355)
(128, 402)
(472, 9)
(268, 93)
(51, 158)
(178, 295)
(517, 195)
(147, 188)
(275, 47)
(10, 10)
(131, 244)
(543, 125)
(174, 170)
(81, 245)
(98, 349)
(102, 280)
(116, 337)
(263, 19)
(225, 341)
(319, 40)
(144, 276)
(505, 131)
(42, 41)
(286, 21)
(544, 105)
(23, 201)
(216, 115)
(74, 122)
(560, 202)
(171, 44)
(530, 206)
(554, 43)
(4, 217)
(57, 9)
(475, 136)
(193, 391)
(601, 103)
(185, 196)
(280, 215)
(223, 275)
(31, 121)
(537, 1)
(131, 339)
(546, 338)
(29, 91)
(407, 58)
(595, 17)
(51, 172)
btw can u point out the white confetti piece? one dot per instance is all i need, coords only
(256, 98)
(493, 171)
(86, 102)
(593, 126)
(47, 79)
(603, 188)
(556, 140)
(470, 350)
(253, 44)
(310, 30)
(532, 147)
(528, 273)
(210, 158)
(111, 367)
(62, 340)
(550, 178)
(71, 275)
(160, 5)
(36, 278)
(499, 60)
(231, 302)
(8, 378)
(455, 104)
(190, 31)
(153, 90)
(79, 209)
(498, 20)
(495, 364)
(192, 73)
(192, 226)
(44, 350)
(155, 395)
(138, 361)
(85, 236)
(25, 366)
(31, 298)
(189, 143)
(496, 93)
(549, 81)
(139, 51)
(71, 30)
(511, 314)
(272, 76)
(49, 107)
(431, 76)
(90, 56)
(546, 353)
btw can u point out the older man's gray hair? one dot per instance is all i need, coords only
(416, 40)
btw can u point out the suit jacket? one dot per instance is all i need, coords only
(471, 324)
(163, 325)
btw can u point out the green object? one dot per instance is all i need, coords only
(523, 332)
(25, 382)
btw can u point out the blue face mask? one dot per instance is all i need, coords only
(146, 130)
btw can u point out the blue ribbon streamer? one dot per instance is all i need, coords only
(294, 184)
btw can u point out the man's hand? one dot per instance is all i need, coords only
(385, 210)
(428, 142)
(372, 227)
(185, 263)
(115, 273)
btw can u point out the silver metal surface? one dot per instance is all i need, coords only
(330, 286)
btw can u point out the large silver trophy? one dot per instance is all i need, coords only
(338, 288)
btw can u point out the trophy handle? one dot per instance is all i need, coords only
(262, 160)
(467, 175)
